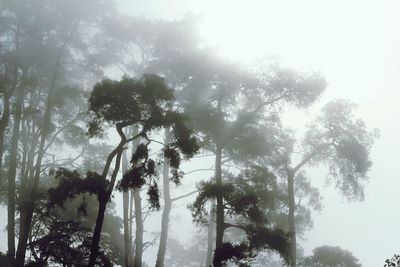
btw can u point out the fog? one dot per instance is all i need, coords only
(243, 133)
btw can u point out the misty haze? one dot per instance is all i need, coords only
(188, 133)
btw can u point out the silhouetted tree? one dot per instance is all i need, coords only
(143, 103)
(248, 198)
(44, 52)
(228, 105)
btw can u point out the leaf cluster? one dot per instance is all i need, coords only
(71, 184)
(247, 199)
(130, 101)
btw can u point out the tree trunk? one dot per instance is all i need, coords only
(94, 250)
(292, 229)
(167, 208)
(12, 171)
(131, 216)
(210, 235)
(127, 244)
(220, 209)
(5, 118)
(25, 152)
(139, 228)
(125, 202)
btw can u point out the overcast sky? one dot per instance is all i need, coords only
(356, 45)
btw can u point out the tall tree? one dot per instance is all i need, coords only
(51, 39)
(341, 142)
(237, 102)
(143, 103)
(248, 199)
(156, 46)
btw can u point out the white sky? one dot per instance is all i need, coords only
(356, 46)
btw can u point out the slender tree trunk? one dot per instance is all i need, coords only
(25, 152)
(131, 216)
(5, 118)
(210, 235)
(12, 171)
(167, 208)
(220, 227)
(29, 169)
(127, 245)
(94, 251)
(139, 228)
(125, 202)
(97, 232)
(292, 229)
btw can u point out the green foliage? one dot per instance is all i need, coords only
(71, 184)
(326, 256)
(132, 101)
(268, 81)
(248, 197)
(344, 143)
(231, 252)
(146, 103)
(154, 196)
(59, 235)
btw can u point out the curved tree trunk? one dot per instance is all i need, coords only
(103, 200)
(167, 208)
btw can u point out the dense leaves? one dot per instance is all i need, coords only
(130, 101)
(344, 143)
(71, 184)
(248, 197)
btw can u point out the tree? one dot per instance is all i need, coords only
(63, 234)
(155, 46)
(248, 199)
(330, 256)
(143, 103)
(338, 140)
(45, 50)
(228, 105)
